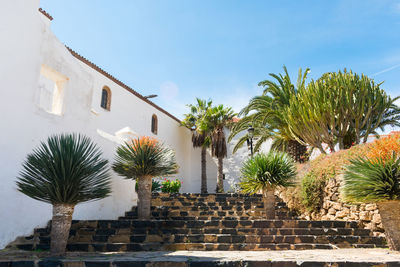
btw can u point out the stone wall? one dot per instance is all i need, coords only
(333, 208)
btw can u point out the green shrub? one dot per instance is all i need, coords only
(267, 170)
(155, 186)
(372, 180)
(171, 186)
(312, 190)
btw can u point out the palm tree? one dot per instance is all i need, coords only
(266, 114)
(377, 180)
(265, 172)
(217, 118)
(64, 171)
(141, 160)
(200, 137)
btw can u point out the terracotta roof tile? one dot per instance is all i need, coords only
(235, 119)
(45, 13)
(129, 89)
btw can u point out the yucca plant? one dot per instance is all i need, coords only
(66, 170)
(263, 173)
(377, 180)
(142, 159)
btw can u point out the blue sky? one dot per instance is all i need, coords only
(182, 49)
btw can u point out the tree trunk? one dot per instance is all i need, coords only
(331, 147)
(203, 170)
(341, 143)
(144, 197)
(297, 151)
(269, 203)
(220, 177)
(60, 227)
(390, 216)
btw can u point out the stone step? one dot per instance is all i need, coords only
(210, 208)
(192, 196)
(117, 224)
(224, 238)
(165, 224)
(221, 211)
(279, 215)
(208, 222)
(159, 203)
(157, 246)
(92, 232)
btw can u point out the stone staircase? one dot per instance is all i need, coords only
(208, 222)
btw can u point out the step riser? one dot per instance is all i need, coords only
(220, 214)
(216, 231)
(214, 224)
(243, 239)
(211, 218)
(200, 247)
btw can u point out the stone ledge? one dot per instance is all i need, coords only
(336, 257)
(201, 263)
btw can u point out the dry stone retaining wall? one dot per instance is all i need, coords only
(333, 208)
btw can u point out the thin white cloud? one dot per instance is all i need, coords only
(386, 70)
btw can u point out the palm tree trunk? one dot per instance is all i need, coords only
(60, 227)
(269, 203)
(203, 170)
(297, 151)
(144, 197)
(341, 143)
(220, 177)
(390, 216)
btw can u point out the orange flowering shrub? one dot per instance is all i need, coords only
(383, 148)
(144, 141)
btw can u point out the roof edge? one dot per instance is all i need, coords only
(123, 85)
(41, 10)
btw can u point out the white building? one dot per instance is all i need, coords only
(47, 88)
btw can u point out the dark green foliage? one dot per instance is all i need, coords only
(67, 169)
(312, 190)
(155, 186)
(217, 118)
(340, 107)
(144, 157)
(368, 180)
(267, 170)
(193, 120)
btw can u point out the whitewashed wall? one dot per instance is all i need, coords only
(32, 57)
(28, 46)
(233, 162)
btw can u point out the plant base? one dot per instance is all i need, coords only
(390, 214)
(60, 226)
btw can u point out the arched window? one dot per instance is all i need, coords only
(106, 98)
(154, 124)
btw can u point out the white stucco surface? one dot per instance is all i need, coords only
(33, 60)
